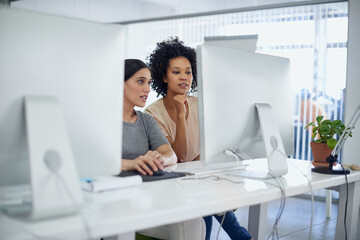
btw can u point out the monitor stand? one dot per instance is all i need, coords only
(54, 180)
(275, 152)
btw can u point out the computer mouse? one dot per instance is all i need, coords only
(159, 172)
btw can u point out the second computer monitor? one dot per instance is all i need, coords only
(77, 64)
(231, 81)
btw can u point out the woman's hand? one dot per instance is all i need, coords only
(168, 156)
(179, 143)
(180, 102)
(152, 159)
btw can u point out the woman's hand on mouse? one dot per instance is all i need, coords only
(143, 163)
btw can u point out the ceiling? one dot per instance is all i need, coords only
(138, 10)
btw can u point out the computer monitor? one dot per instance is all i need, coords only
(231, 82)
(61, 84)
(244, 42)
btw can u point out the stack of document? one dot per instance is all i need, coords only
(100, 184)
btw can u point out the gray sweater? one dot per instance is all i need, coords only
(141, 136)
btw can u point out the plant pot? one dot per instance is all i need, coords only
(320, 152)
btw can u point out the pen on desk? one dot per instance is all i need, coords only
(88, 180)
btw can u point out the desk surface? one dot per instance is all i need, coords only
(163, 202)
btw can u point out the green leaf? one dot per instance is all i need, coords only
(328, 122)
(338, 131)
(310, 124)
(313, 136)
(325, 129)
(315, 129)
(337, 123)
(319, 118)
(331, 143)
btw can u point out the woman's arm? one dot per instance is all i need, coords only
(154, 159)
(180, 142)
(168, 157)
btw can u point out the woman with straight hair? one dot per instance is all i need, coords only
(144, 147)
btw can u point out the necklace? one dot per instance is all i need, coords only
(131, 118)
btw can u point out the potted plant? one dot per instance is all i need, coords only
(324, 133)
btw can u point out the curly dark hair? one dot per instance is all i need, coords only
(159, 62)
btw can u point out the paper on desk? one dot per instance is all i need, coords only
(99, 184)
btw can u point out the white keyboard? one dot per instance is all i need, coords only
(16, 199)
(191, 165)
(14, 194)
(251, 174)
(201, 167)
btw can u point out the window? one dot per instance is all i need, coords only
(313, 37)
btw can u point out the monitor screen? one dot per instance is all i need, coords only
(231, 81)
(80, 64)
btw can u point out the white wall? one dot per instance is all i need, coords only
(351, 153)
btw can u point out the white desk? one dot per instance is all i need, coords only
(175, 200)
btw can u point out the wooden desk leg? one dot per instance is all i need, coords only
(352, 211)
(258, 221)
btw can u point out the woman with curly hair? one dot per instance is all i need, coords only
(174, 76)
(173, 67)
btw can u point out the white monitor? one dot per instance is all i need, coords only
(231, 81)
(244, 42)
(77, 67)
